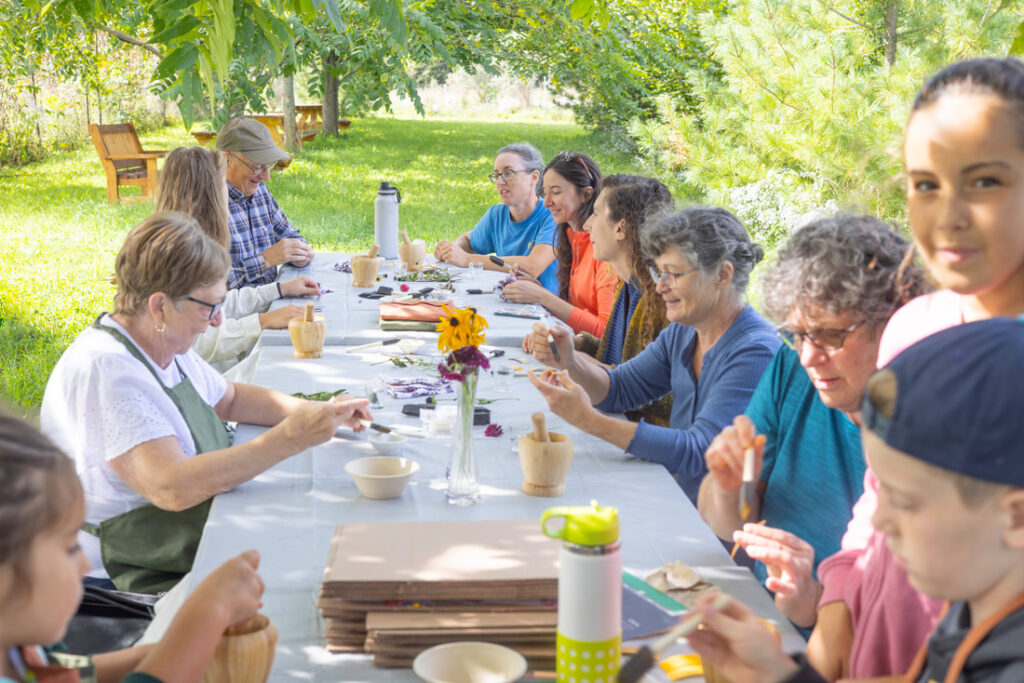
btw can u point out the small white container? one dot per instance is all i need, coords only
(469, 662)
(387, 444)
(381, 477)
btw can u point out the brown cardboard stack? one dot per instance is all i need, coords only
(393, 589)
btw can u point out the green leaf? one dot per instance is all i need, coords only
(331, 8)
(1017, 47)
(581, 9)
(188, 24)
(178, 59)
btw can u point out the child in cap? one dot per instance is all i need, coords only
(943, 433)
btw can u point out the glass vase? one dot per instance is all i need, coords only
(463, 484)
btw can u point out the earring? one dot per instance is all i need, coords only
(161, 327)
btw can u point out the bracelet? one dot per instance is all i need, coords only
(279, 292)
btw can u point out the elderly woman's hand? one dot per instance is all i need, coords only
(790, 564)
(738, 645)
(316, 421)
(565, 398)
(300, 286)
(724, 457)
(524, 292)
(278, 318)
(537, 345)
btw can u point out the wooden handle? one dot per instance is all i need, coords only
(405, 236)
(374, 248)
(540, 432)
(308, 317)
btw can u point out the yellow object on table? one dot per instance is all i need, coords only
(678, 667)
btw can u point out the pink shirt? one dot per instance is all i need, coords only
(891, 621)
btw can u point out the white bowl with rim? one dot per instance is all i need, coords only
(381, 477)
(389, 443)
(469, 662)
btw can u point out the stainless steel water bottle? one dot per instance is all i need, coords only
(385, 219)
(588, 647)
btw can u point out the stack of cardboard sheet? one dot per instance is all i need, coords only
(393, 589)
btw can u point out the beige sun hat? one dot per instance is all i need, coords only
(251, 139)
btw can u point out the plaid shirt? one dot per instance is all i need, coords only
(257, 223)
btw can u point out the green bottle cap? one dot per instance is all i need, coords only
(583, 525)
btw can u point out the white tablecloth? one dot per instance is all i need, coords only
(290, 511)
(352, 320)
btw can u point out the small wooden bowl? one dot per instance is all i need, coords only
(245, 653)
(545, 464)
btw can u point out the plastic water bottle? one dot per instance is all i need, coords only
(385, 219)
(588, 646)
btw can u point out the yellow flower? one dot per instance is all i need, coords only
(461, 327)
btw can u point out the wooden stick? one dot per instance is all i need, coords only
(405, 236)
(374, 248)
(540, 432)
(736, 546)
(308, 317)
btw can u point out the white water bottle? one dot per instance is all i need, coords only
(588, 646)
(385, 219)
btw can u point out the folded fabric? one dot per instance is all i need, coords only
(414, 387)
(421, 311)
(408, 325)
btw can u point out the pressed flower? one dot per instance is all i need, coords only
(494, 429)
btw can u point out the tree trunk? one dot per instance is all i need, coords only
(331, 63)
(891, 33)
(291, 138)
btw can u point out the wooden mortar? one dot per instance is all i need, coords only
(545, 457)
(365, 267)
(245, 653)
(308, 333)
(411, 253)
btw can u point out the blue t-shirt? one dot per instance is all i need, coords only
(497, 233)
(700, 409)
(813, 464)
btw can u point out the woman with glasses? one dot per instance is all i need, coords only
(833, 285)
(192, 182)
(710, 358)
(520, 230)
(143, 416)
(586, 287)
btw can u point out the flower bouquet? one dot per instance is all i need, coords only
(462, 332)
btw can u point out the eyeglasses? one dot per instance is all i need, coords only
(506, 176)
(659, 276)
(214, 308)
(575, 156)
(256, 170)
(825, 339)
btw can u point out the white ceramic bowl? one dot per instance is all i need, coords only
(387, 444)
(409, 347)
(380, 476)
(469, 662)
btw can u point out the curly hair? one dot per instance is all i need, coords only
(634, 199)
(707, 236)
(582, 172)
(38, 488)
(843, 263)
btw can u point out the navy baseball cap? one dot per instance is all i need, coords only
(955, 399)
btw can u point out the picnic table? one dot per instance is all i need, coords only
(275, 122)
(310, 117)
(353, 320)
(290, 511)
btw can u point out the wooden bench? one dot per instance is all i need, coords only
(124, 160)
(275, 123)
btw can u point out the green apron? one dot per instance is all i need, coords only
(148, 550)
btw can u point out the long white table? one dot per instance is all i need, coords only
(290, 511)
(353, 320)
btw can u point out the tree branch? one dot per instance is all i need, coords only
(131, 40)
(866, 27)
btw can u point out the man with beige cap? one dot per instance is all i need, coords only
(261, 236)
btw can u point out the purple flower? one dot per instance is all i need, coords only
(343, 266)
(498, 288)
(449, 375)
(468, 357)
(494, 429)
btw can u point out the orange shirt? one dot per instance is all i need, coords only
(591, 286)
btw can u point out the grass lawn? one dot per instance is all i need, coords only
(61, 235)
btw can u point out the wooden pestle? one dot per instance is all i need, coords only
(374, 248)
(308, 317)
(540, 432)
(405, 237)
